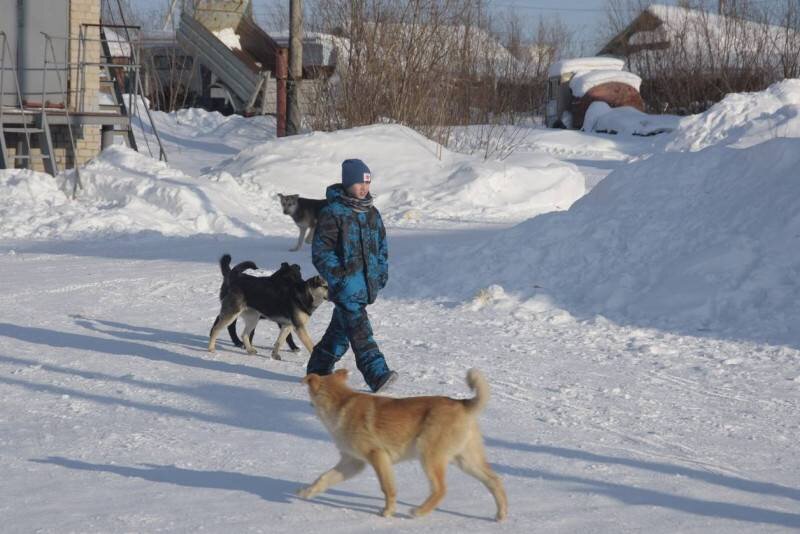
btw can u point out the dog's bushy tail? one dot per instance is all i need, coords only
(225, 265)
(478, 384)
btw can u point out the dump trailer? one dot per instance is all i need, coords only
(243, 72)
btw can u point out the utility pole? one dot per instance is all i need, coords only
(293, 118)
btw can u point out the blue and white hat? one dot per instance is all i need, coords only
(355, 171)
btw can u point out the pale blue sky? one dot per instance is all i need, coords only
(582, 16)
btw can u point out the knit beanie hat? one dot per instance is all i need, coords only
(355, 171)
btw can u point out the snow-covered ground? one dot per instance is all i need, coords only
(632, 301)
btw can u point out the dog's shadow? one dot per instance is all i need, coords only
(142, 333)
(265, 487)
(376, 509)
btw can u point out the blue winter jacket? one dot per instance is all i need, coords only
(349, 250)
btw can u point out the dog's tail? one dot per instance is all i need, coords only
(478, 384)
(225, 265)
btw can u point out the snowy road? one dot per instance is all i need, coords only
(115, 418)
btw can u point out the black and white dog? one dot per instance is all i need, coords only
(290, 272)
(289, 303)
(304, 212)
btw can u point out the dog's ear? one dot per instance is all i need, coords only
(312, 381)
(341, 374)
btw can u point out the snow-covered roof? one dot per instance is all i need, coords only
(583, 82)
(581, 64)
(696, 29)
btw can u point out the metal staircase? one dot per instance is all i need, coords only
(31, 123)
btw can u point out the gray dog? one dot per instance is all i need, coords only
(304, 212)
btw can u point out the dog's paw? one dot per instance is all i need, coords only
(387, 512)
(305, 493)
(418, 512)
(252, 351)
(276, 356)
(295, 249)
(295, 350)
(212, 350)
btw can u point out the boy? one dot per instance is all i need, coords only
(349, 250)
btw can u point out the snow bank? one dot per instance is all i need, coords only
(583, 82)
(411, 184)
(124, 193)
(743, 119)
(628, 120)
(703, 240)
(583, 64)
(127, 192)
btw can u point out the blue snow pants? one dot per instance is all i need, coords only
(349, 327)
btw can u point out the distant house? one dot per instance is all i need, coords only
(661, 27)
(688, 58)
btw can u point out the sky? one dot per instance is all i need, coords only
(583, 17)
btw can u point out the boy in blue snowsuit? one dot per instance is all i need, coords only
(349, 250)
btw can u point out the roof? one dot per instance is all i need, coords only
(582, 64)
(659, 26)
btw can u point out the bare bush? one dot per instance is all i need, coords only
(430, 65)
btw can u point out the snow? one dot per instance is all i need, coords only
(627, 120)
(742, 120)
(582, 64)
(229, 38)
(595, 110)
(633, 302)
(585, 81)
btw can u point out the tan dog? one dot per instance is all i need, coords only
(383, 431)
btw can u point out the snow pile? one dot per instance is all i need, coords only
(601, 118)
(124, 193)
(744, 119)
(582, 64)
(585, 81)
(694, 240)
(595, 110)
(127, 192)
(411, 184)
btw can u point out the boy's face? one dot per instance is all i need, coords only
(359, 191)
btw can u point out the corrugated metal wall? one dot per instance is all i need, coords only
(23, 21)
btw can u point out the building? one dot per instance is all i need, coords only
(53, 65)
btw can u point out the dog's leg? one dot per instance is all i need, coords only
(285, 331)
(382, 464)
(347, 467)
(250, 317)
(434, 465)
(302, 333)
(230, 310)
(292, 345)
(232, 333)
(299, 239)
(473, 462)
(310, 235)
